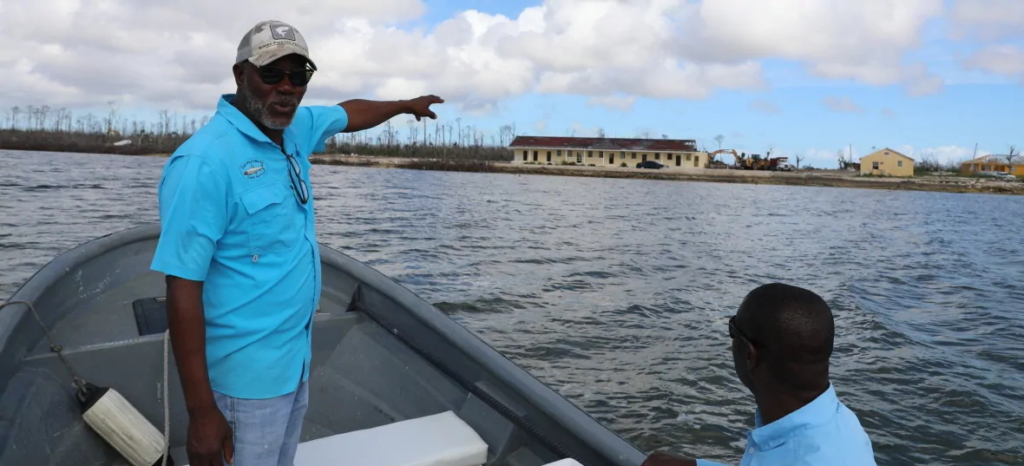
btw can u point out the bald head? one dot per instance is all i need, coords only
(794, 326)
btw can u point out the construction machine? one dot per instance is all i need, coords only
(713, 162)
(757, 162)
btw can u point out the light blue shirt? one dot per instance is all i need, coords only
(230, 217)
(824, 432)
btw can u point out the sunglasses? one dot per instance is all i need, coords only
(298, 183)
(271, 75)
(735, 331)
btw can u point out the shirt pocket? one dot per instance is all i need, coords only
(273, 220)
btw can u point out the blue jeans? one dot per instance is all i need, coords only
(266, 431)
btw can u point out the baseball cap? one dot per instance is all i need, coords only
(269, 40)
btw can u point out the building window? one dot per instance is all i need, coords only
(899, 163)
(688, 157)
(657, 156)
(558, 152)
(525, 152)
(600, 155)
(874, 165)
(634, 155)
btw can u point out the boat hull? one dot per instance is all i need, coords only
(381, 355)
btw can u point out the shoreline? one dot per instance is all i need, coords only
(818, 178)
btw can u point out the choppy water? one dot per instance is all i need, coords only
(617, 292)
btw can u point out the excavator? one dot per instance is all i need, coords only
(754, 161)
(738, 158)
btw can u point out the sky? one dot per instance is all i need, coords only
(929, 78)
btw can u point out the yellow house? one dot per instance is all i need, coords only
(674, 154)
(992, 163)
(887, 162)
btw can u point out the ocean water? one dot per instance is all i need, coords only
(616, 292)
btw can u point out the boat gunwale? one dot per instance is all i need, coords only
(545, 399)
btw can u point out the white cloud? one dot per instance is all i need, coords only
(580, 130)
(862, 40)
(765, 106)
(943, 154)
(841, 104)
(987, 19)
(819, 158)
(178, 55)
(613, 102)
(1005, 60)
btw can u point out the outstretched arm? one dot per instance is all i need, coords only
(365, 114)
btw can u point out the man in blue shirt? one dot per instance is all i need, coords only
(782, 339)
(239, 251)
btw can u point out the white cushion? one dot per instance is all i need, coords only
(437, 440)
(565, 462)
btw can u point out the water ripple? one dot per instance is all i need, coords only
(616, 292)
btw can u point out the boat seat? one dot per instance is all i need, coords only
(436, 440)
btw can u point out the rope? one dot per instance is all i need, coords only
(167, 407)
(469, 385)
(78, 381)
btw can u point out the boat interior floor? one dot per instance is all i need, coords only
(392, 382)
(373, 400)
(441, 439)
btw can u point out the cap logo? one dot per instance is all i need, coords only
(282, 32)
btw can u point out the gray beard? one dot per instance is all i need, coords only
(260, 111)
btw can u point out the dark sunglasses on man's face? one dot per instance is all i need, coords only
(734, 332)
(271, 75)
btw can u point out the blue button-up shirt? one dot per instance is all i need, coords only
(823, 432)
(230, 217)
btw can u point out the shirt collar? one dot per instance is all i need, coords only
(246, 126)
(815, 413)
(238, 119)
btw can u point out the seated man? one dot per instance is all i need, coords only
(781, 343)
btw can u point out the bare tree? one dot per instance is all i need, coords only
(1012, 157)
(412, 131)
(719, 140)
(111, 116)
(799, 159)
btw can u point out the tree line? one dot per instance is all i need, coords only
(44, 128)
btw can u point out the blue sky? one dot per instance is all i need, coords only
(927, 77)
